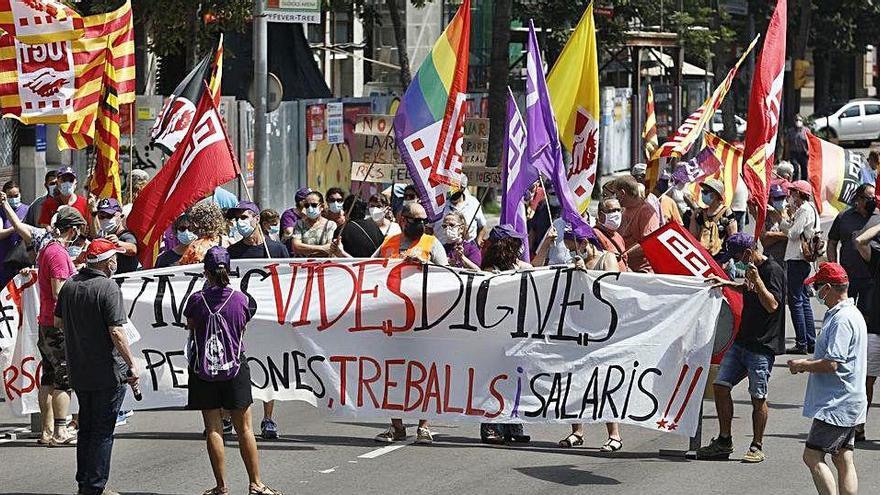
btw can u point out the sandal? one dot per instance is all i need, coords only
(262, 490)
(573, 440)
(612, 445)
(216, 491)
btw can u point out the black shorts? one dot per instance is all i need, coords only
(229, 394)
(829, 438)
(50, 342)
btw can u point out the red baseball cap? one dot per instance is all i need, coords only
(829, 273)
(801, 186)
(100, 250)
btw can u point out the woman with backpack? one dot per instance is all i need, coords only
(800, 223)
(219, 376)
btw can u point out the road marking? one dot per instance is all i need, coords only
(381, 451)
(328, 471)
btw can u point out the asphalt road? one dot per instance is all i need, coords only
(162, 452)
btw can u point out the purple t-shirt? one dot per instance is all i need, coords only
(289, 218)
(471, 250)
(7, 244)
(236, 311)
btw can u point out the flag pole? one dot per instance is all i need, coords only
(131, 151)
(481, 199)
(546, 201)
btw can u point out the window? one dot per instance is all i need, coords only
(872, 109)
(853, 111)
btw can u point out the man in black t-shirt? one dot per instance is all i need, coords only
(360, 237)
(760, 338)
(869, 250)
(842, 233)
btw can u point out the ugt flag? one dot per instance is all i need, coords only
(429, 122)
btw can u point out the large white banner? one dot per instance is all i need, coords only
(380, 338)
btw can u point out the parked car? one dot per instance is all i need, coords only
(718, 124)
(857, 120)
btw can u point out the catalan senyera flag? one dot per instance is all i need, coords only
(574, 93)
(105, 181)
(61, 82)
(765, 103)
(429, 121)
(690, 130)
(649, 134)
(115, 30)
(835, 173)
(40, 21)
(730, 157)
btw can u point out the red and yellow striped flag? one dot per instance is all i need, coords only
(649, 134)
(108, 38)
(40, 21)
(105, 181)
(731, 158)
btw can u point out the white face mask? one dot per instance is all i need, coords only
(108, 225)
(335, 206)
(377, 214)
(453, 234)
(612, 220)
(66, 188)
(409, 202)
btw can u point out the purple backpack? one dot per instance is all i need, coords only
(217, 351)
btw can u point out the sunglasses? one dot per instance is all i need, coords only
(415, 220)
(312, 205)
(409, 196)
(183, 228)
(335, 200)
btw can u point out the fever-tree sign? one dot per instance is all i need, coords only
(293, 11)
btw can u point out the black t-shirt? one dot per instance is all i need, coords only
(361, 238)
(761, 331)
(167, 259)
(842, 230)
(872, 311)
(241, 251)
(127, 264)
(92, 360)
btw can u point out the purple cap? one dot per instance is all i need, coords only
(777, 191)
(244, 206)
(66, 171)
(216, 257)
(735, 245)
(505, 230)
(109, 206)
(301, 194)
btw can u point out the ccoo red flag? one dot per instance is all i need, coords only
(765, 102)
(672, 250)
(203, 161)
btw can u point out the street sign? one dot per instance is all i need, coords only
(293, 11)
(334, 123)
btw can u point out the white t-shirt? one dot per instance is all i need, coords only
(803, 224)
(740, 197)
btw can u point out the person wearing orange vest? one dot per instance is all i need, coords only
(412, 245)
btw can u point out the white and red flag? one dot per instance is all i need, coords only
(765, 103)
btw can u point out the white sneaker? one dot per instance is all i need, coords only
(424, 437)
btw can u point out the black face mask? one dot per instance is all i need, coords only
(870, 206)
(415, 227)
(456, 196)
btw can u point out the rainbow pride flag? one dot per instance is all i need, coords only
(429, 123)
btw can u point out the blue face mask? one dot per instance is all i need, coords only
(275, 229)
(74, 251)
(52, 189)
(65, 188)
(313, 212)
(186, 237)
(244, 227)
(14, 202)
(335, 207)
(708, 198)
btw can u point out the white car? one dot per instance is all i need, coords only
(718, 124)
(858, 120)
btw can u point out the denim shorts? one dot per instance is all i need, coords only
(739, 363)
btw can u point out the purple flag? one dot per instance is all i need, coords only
(518, 175)
(698, 168)
(543, 150)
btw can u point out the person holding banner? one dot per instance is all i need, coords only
(415, 246)
(760, 339)
(461, 250)
(291, 215)
(639, 220)
(219, 375)
(360, 237)
(313, 233)
(800, 223)
(463, 202)
(270, 224)
(503, 249)
(835, 399)
(610, 216)
(100, 360)
(183, 231)
(380, 213)
(211, 227)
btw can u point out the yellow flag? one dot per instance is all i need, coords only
(574, 93)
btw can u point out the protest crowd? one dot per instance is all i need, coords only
(759, 238)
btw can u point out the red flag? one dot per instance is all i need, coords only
(202, 161)
(764, 104)
(672, 250)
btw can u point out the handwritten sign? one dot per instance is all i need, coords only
(374, 338)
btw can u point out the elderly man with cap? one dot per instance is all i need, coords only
(800, 223)
(54, 267)
(91, 313)
(774, 240)
(413, 245)
(66, 196)
(835, 397)
(108, 225)
(760, 339)
(463, 202)
(290, 216)
(639, 220)
(715, 222)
